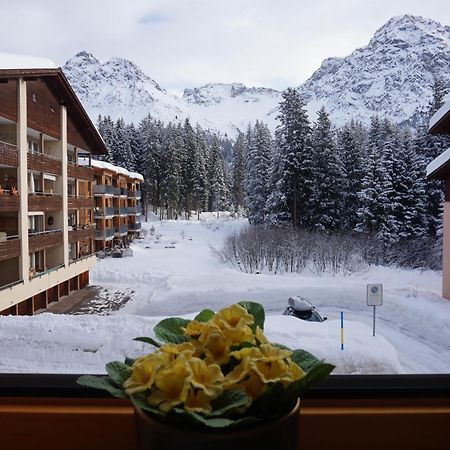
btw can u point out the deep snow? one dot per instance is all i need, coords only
(175, 271)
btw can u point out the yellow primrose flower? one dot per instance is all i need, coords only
(296, 371)
(194, 329)
(207, 378)
(272, 371)
(232, 317)
(260, 336)
(272, 353)
(172, 385)
(217, 347)
(198, 401)
(173, 350)
(233, 378)
(144, 371)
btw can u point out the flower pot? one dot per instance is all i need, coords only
(280, 434)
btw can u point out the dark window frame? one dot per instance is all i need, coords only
(337, 386)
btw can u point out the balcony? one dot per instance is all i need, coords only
(116, 191)
(81, 233)
(81, 202)
(134, 210)
(123, 192)
(103, 212)
(44, 202)
(8, 202)
(9, 246)
(104, 235)
(134, 194)
(121, 231)
(41, 162)
(121, 211)
(103, 189)
(9, 154)
(134, 226)
(80, 172)
(41, 240)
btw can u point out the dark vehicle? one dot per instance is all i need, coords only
(302, 309)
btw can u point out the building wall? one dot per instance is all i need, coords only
(32, 104)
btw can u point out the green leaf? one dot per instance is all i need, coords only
(147, 340)
(257, 311)
(129, 361)
(305, 360)
(315, 376)
(170, 330)
(103, 383)
(228, 401)
(270, 401)
(195, 418)
(118, 371)
(205, 315)
(140, 400)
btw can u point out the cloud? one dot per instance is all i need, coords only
(184, 43)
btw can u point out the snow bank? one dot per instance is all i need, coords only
(15, 61)
(84, 344)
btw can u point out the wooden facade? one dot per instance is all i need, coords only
(43, 124)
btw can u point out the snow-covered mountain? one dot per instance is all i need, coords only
(391, 76)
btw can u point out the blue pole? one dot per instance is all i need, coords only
(342, 330)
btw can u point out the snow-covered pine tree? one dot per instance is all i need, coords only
(350, 149)
(238, 173)
(121, 149)
(171, 171)
(106, 129)
(201, 184)
(219, 188)
(369, 209)
(133, 149)
(257, 179)
(327, 192)
(292, 166)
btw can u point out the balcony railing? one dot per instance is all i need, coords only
(121, 211)
(8, 202)
(81, 233)
(134, 194)
(44, 163)
(80, 202)
(134, 226)
(134, 210)
(39, 240)
(122, 230)
(41, 272)
(80, 172)
(9, 154)
(39, 201)
(123, 192)
(9, 246)
(103, 212)
(104, 235)
(104, 189)
(11, 285)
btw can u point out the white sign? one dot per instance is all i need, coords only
(374, 294)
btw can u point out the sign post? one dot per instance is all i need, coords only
(374, 298)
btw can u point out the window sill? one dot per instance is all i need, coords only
(399, 412)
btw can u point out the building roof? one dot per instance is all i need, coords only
(15, 61)
(439, 167)
(440, 122)
(116, 169)
(56, 82)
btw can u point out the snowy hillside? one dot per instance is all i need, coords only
(391, 76)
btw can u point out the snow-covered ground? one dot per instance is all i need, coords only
(175, 271)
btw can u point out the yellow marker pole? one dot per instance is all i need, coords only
(342, 330)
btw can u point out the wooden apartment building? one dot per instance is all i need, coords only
(117, 194)
(46, 189)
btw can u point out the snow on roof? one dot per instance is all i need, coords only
(14, 61)
(116, 169)
(439, 114)
(438, 162)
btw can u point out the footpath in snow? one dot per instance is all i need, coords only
(175, 272)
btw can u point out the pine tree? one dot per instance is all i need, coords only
(292, 166)
(257, 177)
(219, 188)
(106, 129)
(326, 201)
(238, 171)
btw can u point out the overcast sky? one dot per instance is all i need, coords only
(187, 43)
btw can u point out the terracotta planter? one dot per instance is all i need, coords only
(281, 434)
